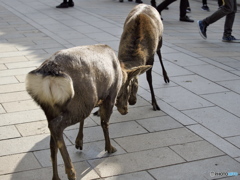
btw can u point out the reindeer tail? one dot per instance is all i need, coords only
(50, 90)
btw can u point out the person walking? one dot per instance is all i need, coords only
(66, 4)
(228, 9)
(183, 7)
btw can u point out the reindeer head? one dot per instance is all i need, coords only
(125, 91)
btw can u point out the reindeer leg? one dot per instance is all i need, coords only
(79, 139)
(149, 79)
(105, 113)
(54, 151)
(165, 76)
(153, 3)
(56, 127)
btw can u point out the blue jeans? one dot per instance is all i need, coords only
(228, 9)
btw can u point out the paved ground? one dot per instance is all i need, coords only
(196, 133)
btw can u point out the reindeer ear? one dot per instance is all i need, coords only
(144, 68)
(137, 71)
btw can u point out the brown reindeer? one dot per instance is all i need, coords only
(140, 40)
(70, 84)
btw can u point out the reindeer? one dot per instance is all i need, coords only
(140, 40)
(69, 84)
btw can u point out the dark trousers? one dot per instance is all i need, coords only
(183, 6)
(228, 9)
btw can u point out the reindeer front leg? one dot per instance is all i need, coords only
(105, 113)
(79, 139)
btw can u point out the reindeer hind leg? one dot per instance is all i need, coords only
(165, 76)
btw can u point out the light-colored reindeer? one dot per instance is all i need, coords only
(70, 84)
(140, 40)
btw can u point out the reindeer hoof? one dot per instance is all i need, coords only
(156, 107)
(71, 173)
(165, 77)
(57, 178)
(111, 150)
(79, 144)
(72, 178)
(78, 147)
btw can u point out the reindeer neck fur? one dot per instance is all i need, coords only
(124, 73)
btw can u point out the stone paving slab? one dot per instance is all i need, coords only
(228, 101)
(85, 172)
(21, 117)
(214, 139)
(198, 85)
(196, 150)
(195, 132)
(11, 163)
(90, 151)
(20, 106)
(115, 130)
(217, 120)
(198, 170)
(12, 87)
(179, 99)
(7, 132)
(157, 139)
(8, 80)
(25, 144)
(133, 176)
(159, 123)
(137, 161)
(234, 140)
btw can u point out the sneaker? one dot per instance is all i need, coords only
(186, 19)
(230, 39)
(62, 5)
(202, 29)
(205, 8)
(188, 10)
(70, 4)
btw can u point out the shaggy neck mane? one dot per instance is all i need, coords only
(124, 72)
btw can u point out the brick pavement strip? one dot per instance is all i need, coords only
(196, 132)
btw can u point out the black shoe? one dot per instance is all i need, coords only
(202, 29)
(205, 8)
(70, 4)
(186, 19)
(230, 39)
(62, 5)
(130, 0)
(120, 0)
(138, 1)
